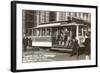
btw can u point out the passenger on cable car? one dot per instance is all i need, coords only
(66, 38)
(70, 41)
(61, 38)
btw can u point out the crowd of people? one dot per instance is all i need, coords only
(64, 40)
(27, 42)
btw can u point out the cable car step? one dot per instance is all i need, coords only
(61, 49)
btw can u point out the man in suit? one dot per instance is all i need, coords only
(75, 46)
(87, 44)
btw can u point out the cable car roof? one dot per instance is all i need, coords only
(58, 25)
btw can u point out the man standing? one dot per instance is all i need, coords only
(87, 44)
(25, 43)
(30, 42)
(75, 46)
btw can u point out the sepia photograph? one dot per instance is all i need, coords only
(47, 36)
(55, 36)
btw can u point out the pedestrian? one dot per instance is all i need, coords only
(25, 43)
(75, 46)
(87, 44)
(30, 42)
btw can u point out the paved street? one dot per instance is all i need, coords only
(46, 56)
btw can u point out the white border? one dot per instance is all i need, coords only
(21, 65)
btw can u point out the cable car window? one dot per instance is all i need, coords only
(48, 32)
(43, 32)
(80, 31)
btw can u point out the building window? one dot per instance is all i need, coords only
(83, 15)
(87, 15)
(80, 31)
(52, 16)
(62, 16)
(47, 16)
(75, 14)
(30, 20)
(42, 17)
(48, 32)
(79, 14)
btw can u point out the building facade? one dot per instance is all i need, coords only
(33, 18)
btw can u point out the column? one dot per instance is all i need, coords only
(66, 16)
(77, 15)
(77, 30)
(37, 17)
(58, 16)
(71, 15)
(89, 17)
(81, 16)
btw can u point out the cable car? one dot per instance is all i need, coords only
(46, 35)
